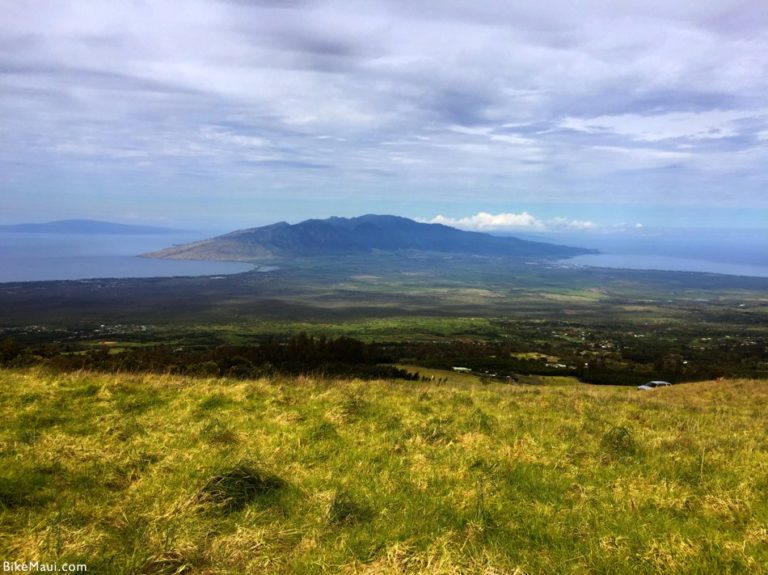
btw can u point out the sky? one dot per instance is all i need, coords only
(495, 115)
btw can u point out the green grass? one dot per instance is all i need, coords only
(159, 474)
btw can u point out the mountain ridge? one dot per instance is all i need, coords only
(85, 226)
(362, 234)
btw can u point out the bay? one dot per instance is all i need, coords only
(47, 257)
(667, 263)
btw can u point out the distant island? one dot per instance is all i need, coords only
(90, 227)
(369, 233)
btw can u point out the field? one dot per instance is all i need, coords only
(158, 426)
(384, 295)
(603, 326)
(161, 474)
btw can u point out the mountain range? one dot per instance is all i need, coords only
(363, 234)
(94, 227)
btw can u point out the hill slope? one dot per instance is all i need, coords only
(158, 474)
(336, 236)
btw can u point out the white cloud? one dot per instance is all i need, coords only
(235, 139)
(537, 102)
(572, 225)
(709, 125)
(485, 222)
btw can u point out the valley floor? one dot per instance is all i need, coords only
(161, 474)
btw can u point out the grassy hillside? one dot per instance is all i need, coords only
(153, 474)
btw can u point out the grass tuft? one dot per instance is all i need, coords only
(215, 401)
(217, 433)
(343, 509)
(239, 486)
(619, 442)
(167, 563)
(353, 407)
(323, 430)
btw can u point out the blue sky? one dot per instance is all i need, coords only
(539, 116)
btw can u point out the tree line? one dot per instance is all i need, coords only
(297, 355)
(624, 361)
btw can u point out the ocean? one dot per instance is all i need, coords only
(718, 251)
(667, 263)
(43, 257)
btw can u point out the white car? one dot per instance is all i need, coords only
(653, 385)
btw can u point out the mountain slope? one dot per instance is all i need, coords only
(336, 236)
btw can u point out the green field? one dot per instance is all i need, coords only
(158, 474)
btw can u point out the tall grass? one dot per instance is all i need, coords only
(154, 474)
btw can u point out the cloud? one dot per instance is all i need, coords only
(707, 125)
(421, 101)
(485, 222)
